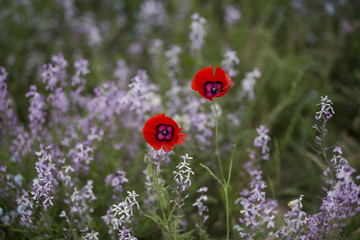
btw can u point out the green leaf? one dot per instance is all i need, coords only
(211, 173)
(149, 170)
(187, 235)
(156, 218)
(283, 220)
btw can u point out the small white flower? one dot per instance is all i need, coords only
(91, 236)
(18, 178)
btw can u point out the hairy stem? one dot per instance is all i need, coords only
(156, 175)
(217, 145)
(224, 184)
(227, 212)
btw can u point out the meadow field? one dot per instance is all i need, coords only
(180, 119)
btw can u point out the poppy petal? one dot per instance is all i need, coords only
(168, 148)
(151, 140)
(153, 122)
(221, 76)
(161, 131)
(205, 80)
(200, 79)
(181, 139)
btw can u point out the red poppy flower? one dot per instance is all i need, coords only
(160, 131)
(210, 86)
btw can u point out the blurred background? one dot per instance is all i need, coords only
(304, 49)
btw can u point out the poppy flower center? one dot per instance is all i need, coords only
(212, 89)
(164, 132)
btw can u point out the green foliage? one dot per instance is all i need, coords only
(302, 55)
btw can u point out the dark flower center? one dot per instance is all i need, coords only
(164, 132)
(212, 89)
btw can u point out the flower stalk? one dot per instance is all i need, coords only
(223, 182)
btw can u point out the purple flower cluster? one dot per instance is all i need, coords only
(122, 73)
(80, 201)
(232, 15)
(229, 63)
(7, 182)
(200, 204)
(152, 12)
(248, 85)
(25, 205)
(173, 61)
(81, 156)
(342, 198)
(295, 222)
(197, 33)
(82, 69)
(326, 112)
(37, 112)
(116, 181)
(262, 141)
(43, 185)
(120, 216)
(9, 124)
(184, 172)
(54, 74)
(258, 214)
(341, 202)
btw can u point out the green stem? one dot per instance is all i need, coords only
(224, 184)
(217, 145)
(323, 151)
(227, 212)
(166, 220)
(230, 168)
(226, 188)
(156, 184)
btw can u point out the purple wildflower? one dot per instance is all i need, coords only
(341, 202)
(80, 201)
(81, 155)
(173, 61)
(37, 112)
(232, 15)
(326, 112)
(91, 236)
(54, 73)
(116, 181)
(81, 67)
(229, 62)
(182, 177)
(295, 221)
(8, 119)
(21, 143)
(42, 187)
(156, 51)
(200, 204)
(122, 73)
(262, 141)
(248, 84)
(197, 33)
(152, 12)
(258, 213)
(24, 209)
(121, 216)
